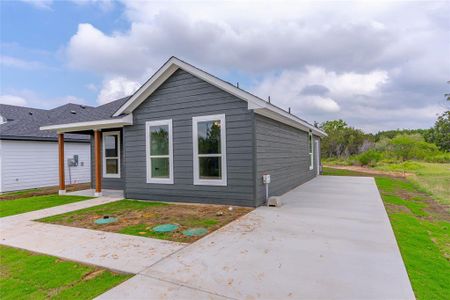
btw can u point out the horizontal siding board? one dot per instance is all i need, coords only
(282, 152)
(180, 98)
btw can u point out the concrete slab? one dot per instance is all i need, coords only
(138, 288)
(56, 210)
(119, 252)
(91, 192)
(331, 240)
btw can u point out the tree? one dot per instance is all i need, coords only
(342, 141)
(440, 133)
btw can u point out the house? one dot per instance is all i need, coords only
(188, 136)
(28, 156)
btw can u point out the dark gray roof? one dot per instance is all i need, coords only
(22, 123)
(101, 112)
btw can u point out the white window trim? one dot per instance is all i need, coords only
(223, 155)
(104, 134)
(311, 150)
(150, 179)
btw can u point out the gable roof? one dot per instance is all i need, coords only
(23, 123)
(255, 103)
(119, 113)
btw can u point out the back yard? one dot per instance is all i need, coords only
(421, 226)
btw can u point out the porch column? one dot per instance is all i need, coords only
(98, 157)
(62, 183)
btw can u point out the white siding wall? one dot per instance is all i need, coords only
(30, 164)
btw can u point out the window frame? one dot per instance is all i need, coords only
(311, 150)
(222, 155)
(148, 155)
(104, 135)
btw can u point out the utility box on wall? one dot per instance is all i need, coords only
(266, 178)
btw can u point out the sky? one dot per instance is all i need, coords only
(378, 65)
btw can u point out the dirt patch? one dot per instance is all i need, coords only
(439, 211)
(141, 221)
(368, 170)
(44, 191)
(93, 274)
(392, 208)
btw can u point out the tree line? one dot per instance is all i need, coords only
(345, 142)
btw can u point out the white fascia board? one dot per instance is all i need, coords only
(91, 125)
(284, 117)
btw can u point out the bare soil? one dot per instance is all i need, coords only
(141, 221)
(371, 171)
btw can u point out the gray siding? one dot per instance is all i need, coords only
(109, 183)
(282, 152)
(180, 98)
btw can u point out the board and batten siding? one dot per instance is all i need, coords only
(281, 151)
(33, 164)
(180, 98)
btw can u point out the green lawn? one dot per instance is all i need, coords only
(22, 205)
(432, 177)
(421, 226)
(26, 275)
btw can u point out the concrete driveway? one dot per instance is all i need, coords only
(331, 240)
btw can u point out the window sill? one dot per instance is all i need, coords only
(210, 182)
(111, 176)
(160, 181)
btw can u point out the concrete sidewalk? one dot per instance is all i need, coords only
(124, 253)
(331, 240)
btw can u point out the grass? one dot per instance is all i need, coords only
(139, 217)
(432, 177)
(421, 226)
(22, 205)
(26, 275)
(50, 190)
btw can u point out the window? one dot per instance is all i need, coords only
(311, 151)
(111, 154)
(209, 142)
(159, 152)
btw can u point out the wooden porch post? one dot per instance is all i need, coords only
(98, 157)
(62, 183)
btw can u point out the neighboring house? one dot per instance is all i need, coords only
(188, 136)
(29, 156)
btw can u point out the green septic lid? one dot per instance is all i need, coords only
(195, 231)
(105, 220)
(165, 228)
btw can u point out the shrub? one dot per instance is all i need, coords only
(407, 147)
(439, 158)
(370, 158)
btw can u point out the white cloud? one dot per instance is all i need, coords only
(323, 104)
(373, 55)
(32, 99)
(12, 100)
(104, 5)
(40, 4)
(294, 88)
(115, 88)
(9, 61)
